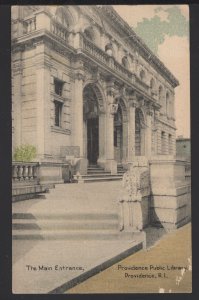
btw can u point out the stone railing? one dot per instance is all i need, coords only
(110, 61)
(25, 172)
(122, 70)
(142, 85)
(30, 25)
(92, 49)
(101, 55)
(59, 30)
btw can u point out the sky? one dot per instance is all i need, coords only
(165, 29)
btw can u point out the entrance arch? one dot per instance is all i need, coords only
(92, 108)
(120, 132)
(139, 133)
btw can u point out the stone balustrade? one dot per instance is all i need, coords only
(122, 70)
(110, 61)
(30, 25)
(59, 30)
(92, 49)
(142, 85)
(25, 172)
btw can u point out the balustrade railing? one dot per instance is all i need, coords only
(95, 51)
(30, 25)
(98, 53)
(59, 30)
(25, 172)
(142, 84)
(122, 70)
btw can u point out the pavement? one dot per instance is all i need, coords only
(168, 260)
(64, 266)
(53, 266)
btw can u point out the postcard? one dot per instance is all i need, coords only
(101, 168)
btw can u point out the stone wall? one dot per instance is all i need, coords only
(170, 193)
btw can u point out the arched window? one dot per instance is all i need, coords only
(109, 49)
(152, 84)
(125, 62)
(139, 133)
(142, 75)
(89, 34)
(61, 17)
(167, 103)
(160, 93)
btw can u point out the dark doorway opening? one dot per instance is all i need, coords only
(92, 140)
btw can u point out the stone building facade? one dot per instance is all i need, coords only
(85, 85)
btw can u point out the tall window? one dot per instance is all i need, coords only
(88, 32)
(167, 104)
(125, 62)
(142, 75)
(152, 84)
(58, 87)
(170, 144)
(58, 112)
(163, 142)
(160, 93)
(62, 17)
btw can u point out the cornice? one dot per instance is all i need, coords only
(147, 53)
(42, 36)
(166, 123)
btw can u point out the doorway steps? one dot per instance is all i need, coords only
(61, 226)
(96, 173)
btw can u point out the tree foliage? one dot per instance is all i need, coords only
(25, 153)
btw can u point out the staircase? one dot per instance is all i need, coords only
(96, 173)
(71, 226)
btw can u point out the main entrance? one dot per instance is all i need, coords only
(91, 124)
(92, 140)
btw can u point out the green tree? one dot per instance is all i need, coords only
(25, 153)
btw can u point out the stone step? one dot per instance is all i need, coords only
(59, 215)
(68, 235)
(95, 168)
(104, 178)
(99, 175)
(98, 171)
(29, 224)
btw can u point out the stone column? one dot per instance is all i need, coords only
(102, 138)
(78, 123)
(78, 112)
(131, 136)
(111, 164)
(43, 101)
(148, 136)
(17, 98)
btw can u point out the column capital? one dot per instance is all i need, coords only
(149, 108)
(133, 102)
(79, 75)
(113, 107)
(149, 111)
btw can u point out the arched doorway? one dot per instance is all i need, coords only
(120, 132)
(91, 124)
(118, 135)
(139, 133)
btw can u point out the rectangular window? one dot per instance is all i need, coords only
(163, 142)
(170, 144)
(58, 112)
(58, 87)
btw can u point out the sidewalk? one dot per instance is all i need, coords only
(171, 252)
